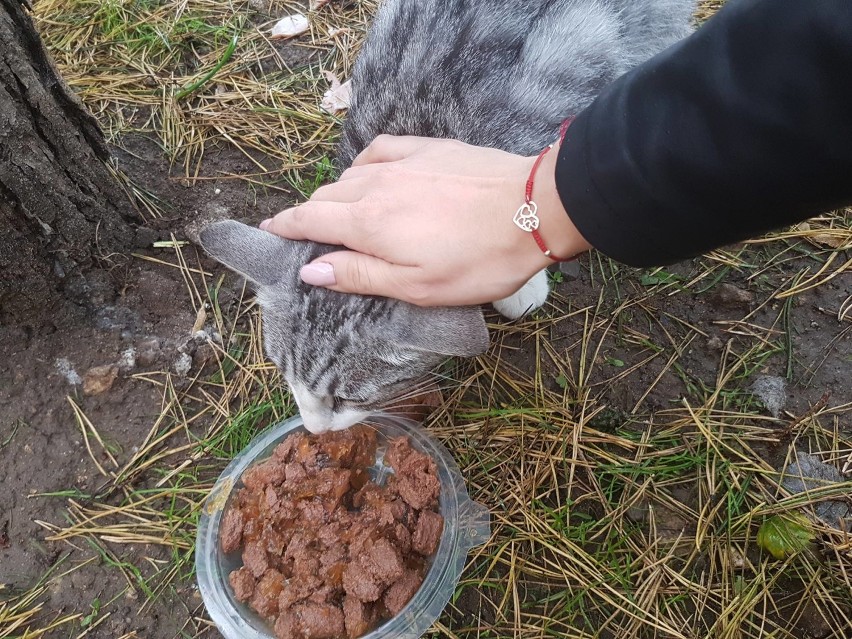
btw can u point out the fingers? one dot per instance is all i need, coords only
(390, 148)
(318, 221)
(347, 191)
(350, 272)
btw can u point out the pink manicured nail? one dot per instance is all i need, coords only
(318, 274)
(265, 224)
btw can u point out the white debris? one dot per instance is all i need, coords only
(183, 364)
(290, 27)
(66, 369)
(338, 97)
(318, 4)
(127, 361)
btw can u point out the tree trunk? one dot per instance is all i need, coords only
(61, 210)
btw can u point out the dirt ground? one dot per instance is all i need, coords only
(42, 450)
(633, 345)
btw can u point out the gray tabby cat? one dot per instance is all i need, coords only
(499, 73)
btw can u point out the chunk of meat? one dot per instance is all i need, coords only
(419, 489)
(267, 473)
(231, 533)
(427, 533)
(385, 561)
(398, 449)
(415, 474)
(358, 617)
(285, 449)
(242, 581)
(401, 591)
(254, 558)
(295, 590)
(266, 594)
(319, 621)
(359, 582)
(295, 472)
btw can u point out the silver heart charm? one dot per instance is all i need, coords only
(526, 217)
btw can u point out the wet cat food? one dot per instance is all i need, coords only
(327, 553)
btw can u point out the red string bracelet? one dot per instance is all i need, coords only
(526, 218)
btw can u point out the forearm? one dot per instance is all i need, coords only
(743, 127)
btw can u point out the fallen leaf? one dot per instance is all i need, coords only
(785, 535)
(833, 240)
(338, 97)
(289, 27)
(99, 379)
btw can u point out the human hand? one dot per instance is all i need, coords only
(429, 221)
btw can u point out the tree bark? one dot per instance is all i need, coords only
(61, 210)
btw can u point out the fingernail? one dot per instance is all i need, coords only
(318, 274)
(265, 224)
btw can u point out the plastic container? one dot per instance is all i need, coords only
(466, 525)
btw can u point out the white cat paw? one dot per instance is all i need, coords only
(532, 295)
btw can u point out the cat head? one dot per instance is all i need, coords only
(344, 356)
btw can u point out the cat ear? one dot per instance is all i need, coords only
(260, 257)
(457, 331)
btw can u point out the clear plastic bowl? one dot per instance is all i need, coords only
(466, 525)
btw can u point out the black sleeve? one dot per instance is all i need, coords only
(742, 127)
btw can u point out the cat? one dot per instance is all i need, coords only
(497, 73)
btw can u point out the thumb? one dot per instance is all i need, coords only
(352, 272)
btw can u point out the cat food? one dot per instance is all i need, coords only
(327, 553)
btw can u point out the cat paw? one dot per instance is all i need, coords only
(532, 295)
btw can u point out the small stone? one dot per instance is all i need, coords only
(570, 269)
(183, 364)
(258, 5)
(771, 391)
(809, 472)
(145, 237)
(81, 579)
(99, 379)
(638, 512)
(715, 344)
(730, 296)
(148, 351)
(736, 557)
(203, 355)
